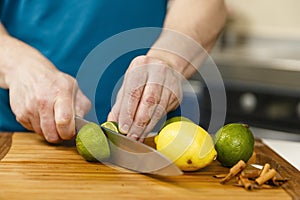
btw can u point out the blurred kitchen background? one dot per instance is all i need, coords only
(258, 55)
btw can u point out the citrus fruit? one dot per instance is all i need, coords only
(176, 119)
(92, 144)
(111, 125)
(188, 145)
(234, 142)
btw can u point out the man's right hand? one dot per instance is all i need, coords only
(43, 99)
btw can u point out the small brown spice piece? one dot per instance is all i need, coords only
(265, 177)
(251, 178)
(265, 169)
(250, 172)
(237, 168)
(246, 183)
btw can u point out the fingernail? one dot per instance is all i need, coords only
(124, 128)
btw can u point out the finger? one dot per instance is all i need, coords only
(64, 117)
(159, 112)
(175, 95)
(115, 111)
(174, 102)
(47, 122)
(36, 129)
(25, 121)
(150, 99)
(29, 119)
(36, 124)
(82, 104)
(157, 115)
(134, 84)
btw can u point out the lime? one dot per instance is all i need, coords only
(234, 142)
(188, 145)
(92, 144)
(111, 125)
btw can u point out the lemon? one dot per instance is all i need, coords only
(111, 125)
(234, 142)
(176, 119)
(173, 119)
(188, 145)
(92, 144)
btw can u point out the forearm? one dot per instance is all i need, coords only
(3, 35)
(15, 57)
(190, 25)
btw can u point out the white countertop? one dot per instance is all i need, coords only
(289, 150)
(287, 145)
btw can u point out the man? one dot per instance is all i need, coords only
(43, 43)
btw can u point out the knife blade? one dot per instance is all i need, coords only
(134, 155)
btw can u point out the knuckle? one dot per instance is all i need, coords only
(177, 96)
(22, 115)
(173, 98)
(143, 121)
(159, 112)
(135, 94)
(151, 100)
(140, 59)
(43, 103)
(64, 120)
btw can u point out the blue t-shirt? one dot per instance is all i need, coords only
(67, 31)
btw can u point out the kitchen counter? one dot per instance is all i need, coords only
(287, 145)
(289, 150)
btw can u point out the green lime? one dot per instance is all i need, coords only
(234, 142)
(176, 119)
(92, 144)
(111, 125)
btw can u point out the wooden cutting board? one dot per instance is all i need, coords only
(32, 169)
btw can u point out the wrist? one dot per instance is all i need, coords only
(4, 58)
(179, 51)
(171, 59)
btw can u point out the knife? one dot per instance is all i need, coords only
(134, 155)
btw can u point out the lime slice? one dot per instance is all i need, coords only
(111, 126)
(92, 144)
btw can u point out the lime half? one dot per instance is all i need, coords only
(92, 144)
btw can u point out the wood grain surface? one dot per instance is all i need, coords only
(33, 169)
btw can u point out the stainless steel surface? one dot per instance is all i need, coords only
(133, 155)
(280, 75)
(276, 135)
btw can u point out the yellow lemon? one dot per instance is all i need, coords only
(176, 119)
(187, 144)
(173, 119)
(92, 144)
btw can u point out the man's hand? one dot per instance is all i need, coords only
(43, 99)
(150, 89)
(152, 84)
